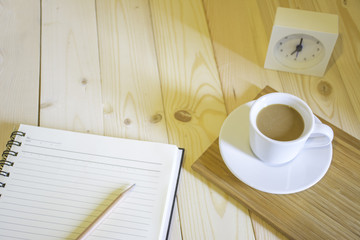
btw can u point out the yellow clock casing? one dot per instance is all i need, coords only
(301, 41)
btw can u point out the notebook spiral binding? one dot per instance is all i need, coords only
(8, 152)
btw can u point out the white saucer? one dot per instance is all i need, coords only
(297, 175)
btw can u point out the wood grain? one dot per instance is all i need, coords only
(328, 210)
(129, 72)
(70, 72)
(19, 65)
(194, 110)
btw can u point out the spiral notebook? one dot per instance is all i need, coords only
(54, 183)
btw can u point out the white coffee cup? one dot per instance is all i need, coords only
(276, 152)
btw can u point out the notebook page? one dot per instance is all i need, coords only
(61, 181)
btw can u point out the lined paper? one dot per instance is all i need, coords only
(61, 181)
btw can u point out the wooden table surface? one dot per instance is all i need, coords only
(165, 71)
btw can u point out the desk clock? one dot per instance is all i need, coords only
(301, 41)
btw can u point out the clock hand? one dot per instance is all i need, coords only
(293, 52)
(298, 49)
(301, 42)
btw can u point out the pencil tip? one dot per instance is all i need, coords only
(130, 187)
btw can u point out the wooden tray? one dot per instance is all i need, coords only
(328, 210)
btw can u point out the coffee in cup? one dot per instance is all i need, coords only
(281, 125)
(280, 122)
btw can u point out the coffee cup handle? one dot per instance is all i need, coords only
(321, 136)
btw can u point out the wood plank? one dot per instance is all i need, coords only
(240, 37)
(131, 91)
(328, 210)
(19, 64)
(70, 72)
(194, 110)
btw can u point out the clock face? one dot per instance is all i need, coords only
(299, 51)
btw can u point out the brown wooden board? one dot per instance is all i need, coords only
(328, 210)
